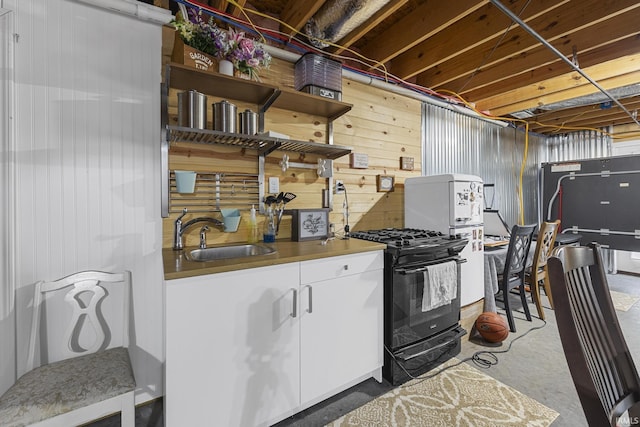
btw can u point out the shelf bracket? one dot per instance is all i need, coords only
(324, 167)
(164, 152)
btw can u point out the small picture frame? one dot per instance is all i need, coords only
(309, 224)
(385, 183)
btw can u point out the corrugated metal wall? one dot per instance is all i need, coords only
(457, 143)
(88, 163)
(587, 144)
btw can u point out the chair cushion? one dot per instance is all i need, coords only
(66, 385)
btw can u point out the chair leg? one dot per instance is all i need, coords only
(507, 309)
(535, 295)
(525, 304)
(547, 291)
(128, 411)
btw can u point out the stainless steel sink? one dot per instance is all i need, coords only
(228, 252)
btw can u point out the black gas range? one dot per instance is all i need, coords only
(409, 245)
(417, 339)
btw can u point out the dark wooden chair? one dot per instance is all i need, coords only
(601, 366)
(537, 273)
(515, 269)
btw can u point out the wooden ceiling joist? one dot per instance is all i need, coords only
(556, 68)
(463, 46)
(297, 13)
(568, 86)
(480, 27)
(520, 53)
(425, 21)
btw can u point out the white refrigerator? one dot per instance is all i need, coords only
(451, 204)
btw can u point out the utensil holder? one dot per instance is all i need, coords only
(230, 219)
(185, 181)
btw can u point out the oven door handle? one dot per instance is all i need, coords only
(424, 268)
(460, 332)
(414, 271)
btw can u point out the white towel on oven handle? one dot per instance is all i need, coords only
(440, 285)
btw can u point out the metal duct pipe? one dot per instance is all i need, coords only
(293, 57)
(528, 29)
(336, 18)
(134, 8)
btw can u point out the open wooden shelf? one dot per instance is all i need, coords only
(265, 96)
(293, 100)
(185, 78)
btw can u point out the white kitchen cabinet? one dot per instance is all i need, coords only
(252, 347)
(232, 347)
(341, 323)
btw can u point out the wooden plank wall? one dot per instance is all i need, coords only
(383, 125)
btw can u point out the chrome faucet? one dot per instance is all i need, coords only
(180, 228)
(203, 236)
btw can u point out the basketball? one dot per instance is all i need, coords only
(492, 327)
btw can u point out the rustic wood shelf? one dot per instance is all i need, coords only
(185, 78)
(293, 100)
(265, 96)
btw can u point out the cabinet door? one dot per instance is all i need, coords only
(232, 348)
(341, 336)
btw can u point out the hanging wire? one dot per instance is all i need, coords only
(452, 97)
(486, 58)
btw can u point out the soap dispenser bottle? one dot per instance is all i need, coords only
(269, 229)
(253, 227)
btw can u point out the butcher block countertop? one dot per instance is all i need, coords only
(176, 266)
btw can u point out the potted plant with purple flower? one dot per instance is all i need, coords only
(245, 54)
(199, 41)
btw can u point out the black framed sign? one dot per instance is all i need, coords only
(309, 224)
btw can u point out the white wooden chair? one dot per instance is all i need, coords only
(85, 372)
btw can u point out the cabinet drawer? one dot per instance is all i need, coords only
(340, 266)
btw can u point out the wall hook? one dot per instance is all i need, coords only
(284, 163)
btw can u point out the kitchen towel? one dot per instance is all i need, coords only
(440, 285)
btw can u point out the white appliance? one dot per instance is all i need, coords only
(451, 204)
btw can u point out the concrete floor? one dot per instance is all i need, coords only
(534, 365)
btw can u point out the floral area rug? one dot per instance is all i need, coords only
(459, 396)
(622, 301)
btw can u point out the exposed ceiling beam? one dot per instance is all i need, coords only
(561, 56)
(422, 23)
(612, 74)
(219, 4)
(590, 111)
(296, 14)
(237, 10)
(386, 11)
(519, 52)
(480, 27)
(592, 115)
(549, 70)
(474, 48)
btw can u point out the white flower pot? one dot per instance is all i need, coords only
(225, 67)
